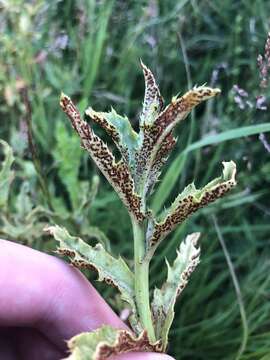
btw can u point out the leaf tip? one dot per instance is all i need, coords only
(229, 171)
(64, 100)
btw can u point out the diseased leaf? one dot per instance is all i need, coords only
(160, 159)
(177, 278)
(156, 138)
(6, 174)
(120, 130)
(189, 201)
(117, 174)
(153, 102)
(106, 342)
(111, 270)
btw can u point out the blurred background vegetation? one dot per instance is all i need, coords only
(90, 49)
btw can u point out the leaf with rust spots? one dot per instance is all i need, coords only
(113, 271)
(160, 159)
(153, 102)
(156, 138)
(117, 174)
(6, 174)
(106, 342)
(177, 278)
(189, 201)
(120, 130)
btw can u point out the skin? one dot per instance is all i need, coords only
(44, 302)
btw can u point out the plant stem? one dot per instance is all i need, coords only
(141, 268)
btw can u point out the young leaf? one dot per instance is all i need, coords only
(106, 342)
(177, 278)
(6, 174)
(156, 138)
(189, 201)
(116, 173)
(153, 102)
(120, 130)
(111, 270)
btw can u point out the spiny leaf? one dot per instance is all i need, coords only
(106, 342)
(120, 130)
(177, 278)
(111, 270)
(189, 201)
(116, 173)
(6, 174)
(156, 138)
(153, 102)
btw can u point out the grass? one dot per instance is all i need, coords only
(183, 42)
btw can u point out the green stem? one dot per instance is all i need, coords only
(142, 280)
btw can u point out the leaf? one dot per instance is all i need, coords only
(153, 102)
(177, 278)
(106, 342)
(67, 153)
(160, 159)
(189, 201)
(6, 174)
(117, 174)
(113, 271)
(120, 130)
(157, 140)
(169, 180)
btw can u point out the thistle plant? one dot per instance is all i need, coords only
(133, 177)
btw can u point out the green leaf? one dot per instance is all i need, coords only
(177, 278)
(6, 174)
(113, 271)
(67, 153)
(106, 342)
(189, 201)
(120, 130)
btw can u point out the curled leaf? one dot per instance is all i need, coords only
(153, 102)
(106, 342)
(156, 137)
(189, 201)
(117, 174)
(120, 130)
(177, 278)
